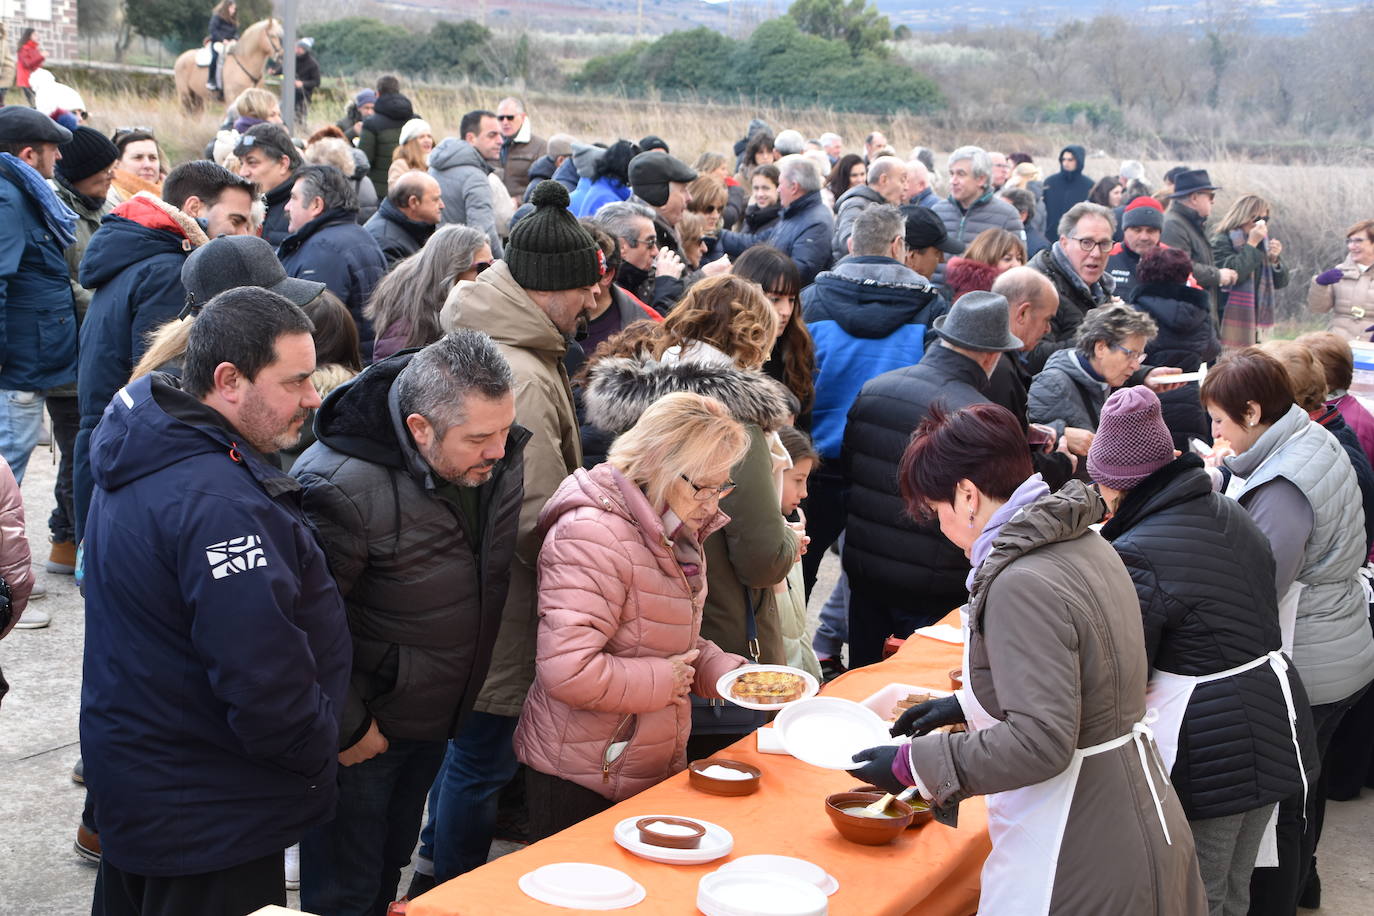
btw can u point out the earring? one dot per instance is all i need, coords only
(970, 519)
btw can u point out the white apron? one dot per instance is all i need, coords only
(1167, 696)
(1027, 824)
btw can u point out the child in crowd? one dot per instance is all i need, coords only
(792, 595)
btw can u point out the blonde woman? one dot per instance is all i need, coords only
(715, 166)
(1242, 243)
(622, 581)
(412, 155)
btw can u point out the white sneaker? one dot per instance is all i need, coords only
(40, 590)
(293, 867)
(33, 619)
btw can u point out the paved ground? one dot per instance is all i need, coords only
(40, 806)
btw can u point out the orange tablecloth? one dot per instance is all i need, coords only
(933, 870)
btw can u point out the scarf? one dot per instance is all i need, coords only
(1032, 489)
(1250, 305)
(1106, 283)
(57, 216)
(94, 204)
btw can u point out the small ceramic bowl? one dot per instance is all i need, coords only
(728, 787)
(867, 831)
(921, 808)
(956, 679)
(653, 837)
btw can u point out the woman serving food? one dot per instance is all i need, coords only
(1080, 810)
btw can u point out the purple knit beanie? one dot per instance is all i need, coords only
(1132, 441)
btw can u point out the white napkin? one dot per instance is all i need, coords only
(943, 632)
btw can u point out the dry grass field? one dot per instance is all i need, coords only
(1312, 204)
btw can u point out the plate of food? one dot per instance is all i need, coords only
(895, 699)
(766, 687)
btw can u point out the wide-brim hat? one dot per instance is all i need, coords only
(1192, 181)
(980, 321)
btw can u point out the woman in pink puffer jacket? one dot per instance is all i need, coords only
(621, 586)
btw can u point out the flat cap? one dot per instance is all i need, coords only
(19, 124)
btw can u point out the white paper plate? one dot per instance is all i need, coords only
(582, 886)
(826, 732)
(785, 865)
(750, 893)
(723, 686)
(716, 843)
(885, 700)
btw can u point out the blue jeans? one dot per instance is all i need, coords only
(21, 422)
(832, 632)
(352, 865)
(463, 802)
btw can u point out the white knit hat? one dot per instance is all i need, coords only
(413, 128)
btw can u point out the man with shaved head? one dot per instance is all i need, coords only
(408, 216)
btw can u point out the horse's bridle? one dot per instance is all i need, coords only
(276, 52)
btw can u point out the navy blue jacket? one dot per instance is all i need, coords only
(334, 250)
(217, 651)
(867, 316)
(37, 312)
(135, 270)
(803, 233)
(276, 225)
(1064, 189)
(398, 235)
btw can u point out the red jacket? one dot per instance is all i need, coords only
(30, 59)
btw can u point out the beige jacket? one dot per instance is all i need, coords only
(1349, 301)
(495, 304)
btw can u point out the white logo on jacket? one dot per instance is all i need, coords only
(235, 555)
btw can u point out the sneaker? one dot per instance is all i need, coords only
(87, 844)
(79, 772)
(33, 619)
(62, 558)
(831, 668)
(40, 590)
(293, 867)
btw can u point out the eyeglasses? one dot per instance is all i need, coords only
(479, 266)
(1134, 356)
(1355, 242)
(1088, 244)
(506, 117)
(650, 242)
(705, 494)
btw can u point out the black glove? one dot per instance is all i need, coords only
(928, 716)
(877, 771)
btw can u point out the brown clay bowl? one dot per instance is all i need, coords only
(956, 679)
(728, 787)
(921, 808)
(867, 831)
(669, 840)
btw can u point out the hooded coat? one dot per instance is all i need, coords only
(1065, 393)
(1204, 575)
(133, 263)
(495, 304)
(334, 250)
(1055, 653)
(614, 603)
(381, 134)
(1065, 188)
(423, 590)
(462, 175)
(755, 550)
(1186, 339)
(847, 209)
(867, 316)
(217, 655)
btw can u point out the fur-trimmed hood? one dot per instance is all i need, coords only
(619, 389)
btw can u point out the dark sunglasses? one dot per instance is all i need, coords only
(506, 117)
(479, 266)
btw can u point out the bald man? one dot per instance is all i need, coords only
(407, 218)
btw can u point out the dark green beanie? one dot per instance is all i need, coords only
(549, 250)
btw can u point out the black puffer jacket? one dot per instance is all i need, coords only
(1204, 574)
(1186, 339)
(423, 606)
(886, 554)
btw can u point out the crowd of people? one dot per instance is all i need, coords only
(406, 473)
